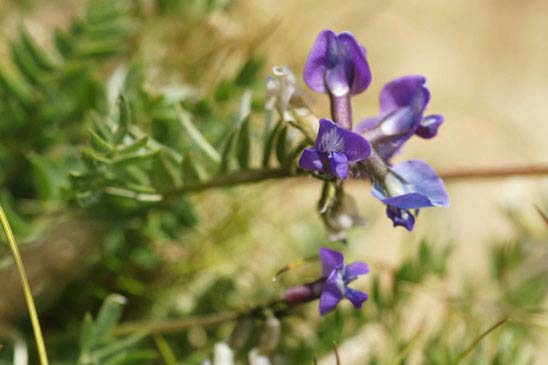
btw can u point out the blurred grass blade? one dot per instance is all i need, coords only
(477, 341)
(26, 288)
(165, 350)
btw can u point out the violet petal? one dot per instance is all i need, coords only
(337, 64)
(311, 160)
(331, 294)
(316, 63)
(361, 72)
(412, 184)
(331, 260)
(338, 164)
(355, 269)
(428, 127)
(356, 297)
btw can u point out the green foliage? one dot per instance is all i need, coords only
(44, 96)
(97, 345)
(123, 161)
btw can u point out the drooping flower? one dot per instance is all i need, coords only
(409, 185)
(334, 149)
(338, 276)
(337, 65)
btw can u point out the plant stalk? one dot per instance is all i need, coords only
(42, 354)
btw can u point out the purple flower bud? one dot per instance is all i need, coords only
(428, 127)
(304, 293)
(337, 65)
(338, 277)
(333, 150)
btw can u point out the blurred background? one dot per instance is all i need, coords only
(486, 68)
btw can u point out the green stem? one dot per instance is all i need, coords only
(258, 175)
(173, 325)
(479, 339)
(236, 178)
(26, 288)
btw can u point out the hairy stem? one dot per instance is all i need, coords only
(495, 172)
(258, 175)
(26, 289)
(236, 178)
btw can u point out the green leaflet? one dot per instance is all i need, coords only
(44, 178)
(133, 146)
(281, 146)
(123, 120)
(41, 58)
(109, 315)
(243, 144)
(26, 63)
(269, 142)
(226, 151)
(165, 174)
(99, 144)
(192, 173)
(197, 137)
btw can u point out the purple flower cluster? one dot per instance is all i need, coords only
(337, 65)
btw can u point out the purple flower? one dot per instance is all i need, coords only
(406, 186)
(338, 276)
(409, 185)
(333, 150)
(337, 65)
(402, 104)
